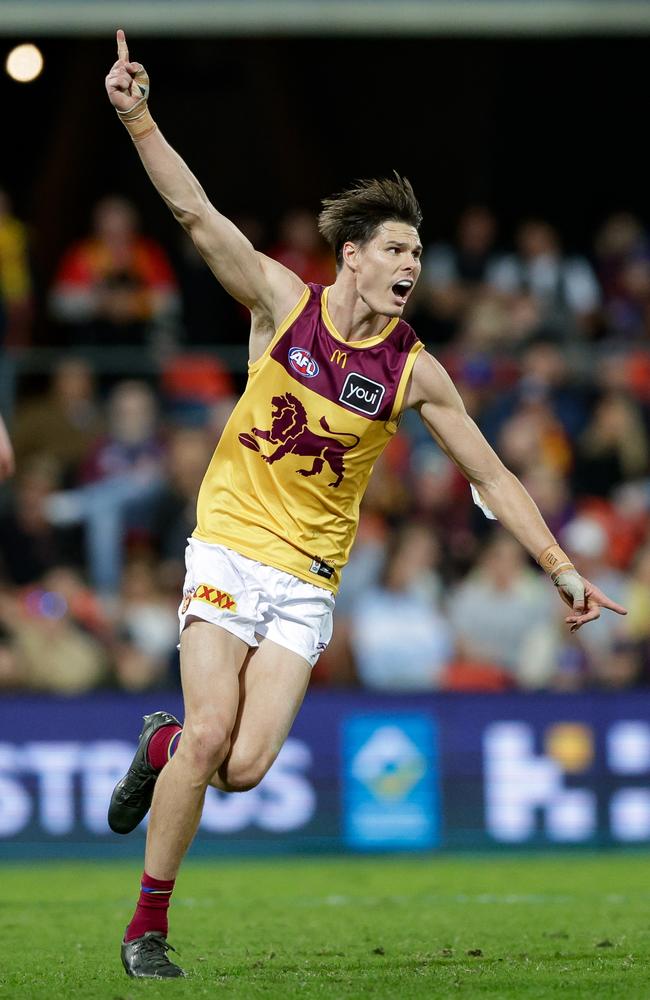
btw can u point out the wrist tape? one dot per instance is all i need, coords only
(554, 562)
(137, 120)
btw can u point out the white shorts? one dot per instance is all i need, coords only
(252, 600)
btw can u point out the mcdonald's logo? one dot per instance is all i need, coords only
(340, 357)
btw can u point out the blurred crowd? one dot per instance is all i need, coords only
(550, 350)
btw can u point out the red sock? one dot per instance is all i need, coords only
(162, 746)
(151, 911)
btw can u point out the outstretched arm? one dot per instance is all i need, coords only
(433, 393)
(266, 287)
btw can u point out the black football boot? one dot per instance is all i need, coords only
(146, 957)
(132, 795)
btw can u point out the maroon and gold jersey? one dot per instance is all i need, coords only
(287, 477)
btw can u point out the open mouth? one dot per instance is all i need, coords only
(402, 288)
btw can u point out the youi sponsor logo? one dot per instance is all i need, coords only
(302, 362)
(362, 394)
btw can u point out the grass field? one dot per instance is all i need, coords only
(570, 926)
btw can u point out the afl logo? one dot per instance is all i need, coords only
(302, 362)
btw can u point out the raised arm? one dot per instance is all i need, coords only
(433, 393)
(266, 287)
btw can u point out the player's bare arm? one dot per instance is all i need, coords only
(263, 285)
(442, 410)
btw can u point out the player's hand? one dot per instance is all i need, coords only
(127, 82)
(7, 466)
(585, 600)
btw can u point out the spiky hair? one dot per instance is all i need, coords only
(357, 213)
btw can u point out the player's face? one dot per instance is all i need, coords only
(387, 268)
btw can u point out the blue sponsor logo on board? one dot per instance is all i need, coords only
(390, 782)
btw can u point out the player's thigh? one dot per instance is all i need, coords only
(272, 685)
(211, 661)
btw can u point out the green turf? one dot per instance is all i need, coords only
(514, 926)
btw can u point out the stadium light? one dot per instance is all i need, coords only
(24, 63)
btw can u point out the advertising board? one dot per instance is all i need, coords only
(358, 772)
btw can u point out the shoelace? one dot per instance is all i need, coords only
(158, 947)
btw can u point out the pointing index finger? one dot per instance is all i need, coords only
(613, 606)
(122, 48)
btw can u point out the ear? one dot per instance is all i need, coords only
(350, 255)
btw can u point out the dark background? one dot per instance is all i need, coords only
(555, 127)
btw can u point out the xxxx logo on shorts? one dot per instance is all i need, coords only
(218, 598)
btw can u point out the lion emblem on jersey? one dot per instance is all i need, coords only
(290, 432)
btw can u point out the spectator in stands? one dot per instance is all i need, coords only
(63, 422)
(499, 609)
(210, 315)
(453, 274)
(625, 514)
(551, 491)
(194, 386)
(53, 653)
(562, 292)
(300, 248)
(116, 286)
(400, 638)
(85, 608)
(487, 326)
(441, 499)
(623, 263)
(15, 278)
(123, 476)
(173, 515)
(29, 544)
(534, 436)
(147, 627)
(543, 371)
(635, 288)
(613, 447)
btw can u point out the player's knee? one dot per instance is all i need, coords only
(242, 782)
(204, 745)
(241, 773)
